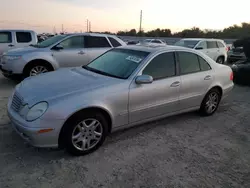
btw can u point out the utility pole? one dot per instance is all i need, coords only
(140, 22)
(87, 25)
(62, 29)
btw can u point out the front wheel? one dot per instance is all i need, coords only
(85, 133)
(36, 69)
(210, 102)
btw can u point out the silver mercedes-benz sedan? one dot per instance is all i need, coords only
(76, 108)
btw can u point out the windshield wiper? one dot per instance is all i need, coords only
(100, 72)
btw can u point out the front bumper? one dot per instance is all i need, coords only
(14, 67)
(29, 130)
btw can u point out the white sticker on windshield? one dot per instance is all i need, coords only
(134, 59)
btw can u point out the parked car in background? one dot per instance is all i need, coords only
(157, 42)
(133, 42)
(214, 48)
(241, 71)
(69, 50)
(235, 54)
(125, 86)
(11, 39)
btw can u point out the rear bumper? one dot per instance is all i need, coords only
(227, 90)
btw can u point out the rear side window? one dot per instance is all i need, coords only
(96, 42)
(211, 44)
(162, 66)
(189, 62)
(23, 37)
(220, 44)
(114, 42)
(156, 41)
(203, 64)
(5, 37)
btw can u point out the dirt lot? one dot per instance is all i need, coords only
(182, 151)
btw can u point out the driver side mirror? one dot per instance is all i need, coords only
(198, 48)
(58, 47)
(144, 79)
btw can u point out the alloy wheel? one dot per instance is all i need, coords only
(87, 134)
(38, 70)
(212, 102)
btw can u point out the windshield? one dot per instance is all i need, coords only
(119, 63)
(50, 41)
(187, 43)
(147, 40)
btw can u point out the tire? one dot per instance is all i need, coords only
(79, 145)
(42, 67)
(220, 60)
(204, 109)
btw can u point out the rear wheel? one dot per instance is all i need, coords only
(85, 133)
(220, 60)
(210, 102)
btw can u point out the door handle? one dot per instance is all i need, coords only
(175, 84)
(10, 45)
(81, 52)
(207, 77)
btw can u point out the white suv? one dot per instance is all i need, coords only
(214, 48)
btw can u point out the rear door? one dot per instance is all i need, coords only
(95, 46)
(23, 39)
(213, 50)
(6, 41)
(222, 49)
(196, 78)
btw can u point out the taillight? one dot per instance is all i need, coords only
(227, 48)
(232, 76)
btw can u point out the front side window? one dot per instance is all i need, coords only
(74, 42)
(96, 42)
(23, 37)
(189, 62)
(50, 41)
(162, 66)
(119, 63)
(5, 37)
(114, 42)
(211, 44)
(202, 45)
(187, 43)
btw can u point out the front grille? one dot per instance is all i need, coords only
(16, 102)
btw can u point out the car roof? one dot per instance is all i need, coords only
(90, 34)
(18, 30)
(152, 48)
(211, 39)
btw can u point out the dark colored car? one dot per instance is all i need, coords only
(235, 54)
(241, 71)
(132, 42)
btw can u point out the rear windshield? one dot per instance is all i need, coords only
(187, 43)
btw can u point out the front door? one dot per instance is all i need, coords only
(196, 78)
(161, 96)
(73, 53)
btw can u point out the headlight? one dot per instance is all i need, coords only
(37, 111)
(12, 57)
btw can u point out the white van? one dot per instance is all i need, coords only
(10, 39)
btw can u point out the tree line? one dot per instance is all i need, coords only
(232, 32)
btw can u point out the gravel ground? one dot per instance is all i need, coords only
(181, 151)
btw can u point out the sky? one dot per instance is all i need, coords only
(115, 15)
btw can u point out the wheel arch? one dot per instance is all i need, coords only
(42, 61)
(92, 109)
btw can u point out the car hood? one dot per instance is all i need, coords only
(21, 51)
(60, 83)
